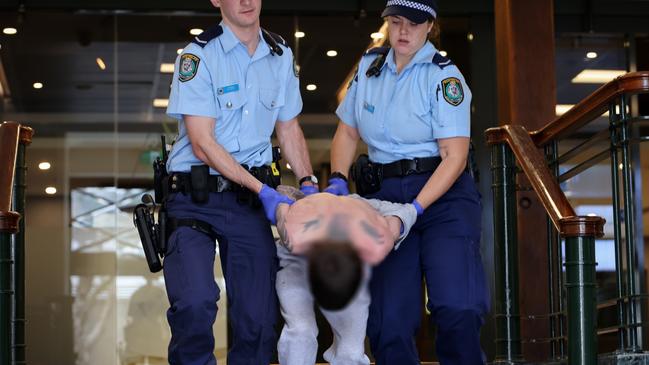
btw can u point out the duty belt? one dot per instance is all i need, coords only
(409, 167)
(180, 182)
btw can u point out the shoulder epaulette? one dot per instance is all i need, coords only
(377, 50)
(441, 61)
(274, 40)
(379, 61)
(211, 33)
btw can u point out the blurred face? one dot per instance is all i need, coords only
(239, 13)
(406, 37)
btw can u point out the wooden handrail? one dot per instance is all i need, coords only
(545, 185)
(591, 107)
(535, 167)
(9, 139)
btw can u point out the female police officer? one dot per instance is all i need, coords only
(412, 107)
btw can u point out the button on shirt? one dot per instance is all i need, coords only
(245, 94)
(401, 116)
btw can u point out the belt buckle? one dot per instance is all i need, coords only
(409, 167)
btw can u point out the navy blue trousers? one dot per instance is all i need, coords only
(249, 261)
(443, 248)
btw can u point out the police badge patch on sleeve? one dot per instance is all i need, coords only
(452, 89)
(188, 67)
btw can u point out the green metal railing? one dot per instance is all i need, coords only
(20, 183)
(571, 295)
(13, 141)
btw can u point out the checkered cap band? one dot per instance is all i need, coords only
(413, 5)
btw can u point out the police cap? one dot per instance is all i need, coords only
(417, 11)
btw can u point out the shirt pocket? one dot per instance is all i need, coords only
(228, 124)
(271, 100)
(231, 102)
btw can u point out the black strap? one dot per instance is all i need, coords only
(195, 224)
(375, 67)
(273, 40)
(409, 167)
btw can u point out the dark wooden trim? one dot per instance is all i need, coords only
(26, 134)
(582, 226)
(591, 107)
(9, 222)
(9, 132)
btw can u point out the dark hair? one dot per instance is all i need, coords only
(335, 273)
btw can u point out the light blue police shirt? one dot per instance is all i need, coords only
(401, 116)
(246, 95)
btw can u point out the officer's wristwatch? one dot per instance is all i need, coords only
(310, 178)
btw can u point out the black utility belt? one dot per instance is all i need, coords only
(199, 178)
(409, 167)
(368, 175)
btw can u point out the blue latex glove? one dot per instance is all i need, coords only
(270, 199)
(418, 207)
(337, 186)
(309, 189)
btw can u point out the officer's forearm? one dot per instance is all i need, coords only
(442, 179)
(220, 160)
(343, 148)
(293, 145)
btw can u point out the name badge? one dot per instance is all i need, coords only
(369, 107)
(227, 89)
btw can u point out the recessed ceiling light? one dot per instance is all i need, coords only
(179, 51)
(101, 63)
(469, 37)
(332, 53)
(44, 165)
(160, 103)
(443, 53)
(311, 87)
(38, 85)
(377, 35)
(597, 76)
(591, 55)
(50, 190)
(299, 34)
(10, 31)
(167, 68)
(195, 31)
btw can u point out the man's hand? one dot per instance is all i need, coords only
(337, 186)
(396, 227)
(270, 198)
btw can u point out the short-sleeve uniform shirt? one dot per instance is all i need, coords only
(402, 115)
(215, 77)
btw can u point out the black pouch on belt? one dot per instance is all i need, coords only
(366, 175)
(200, 175)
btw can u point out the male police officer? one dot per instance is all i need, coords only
(231, 85)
